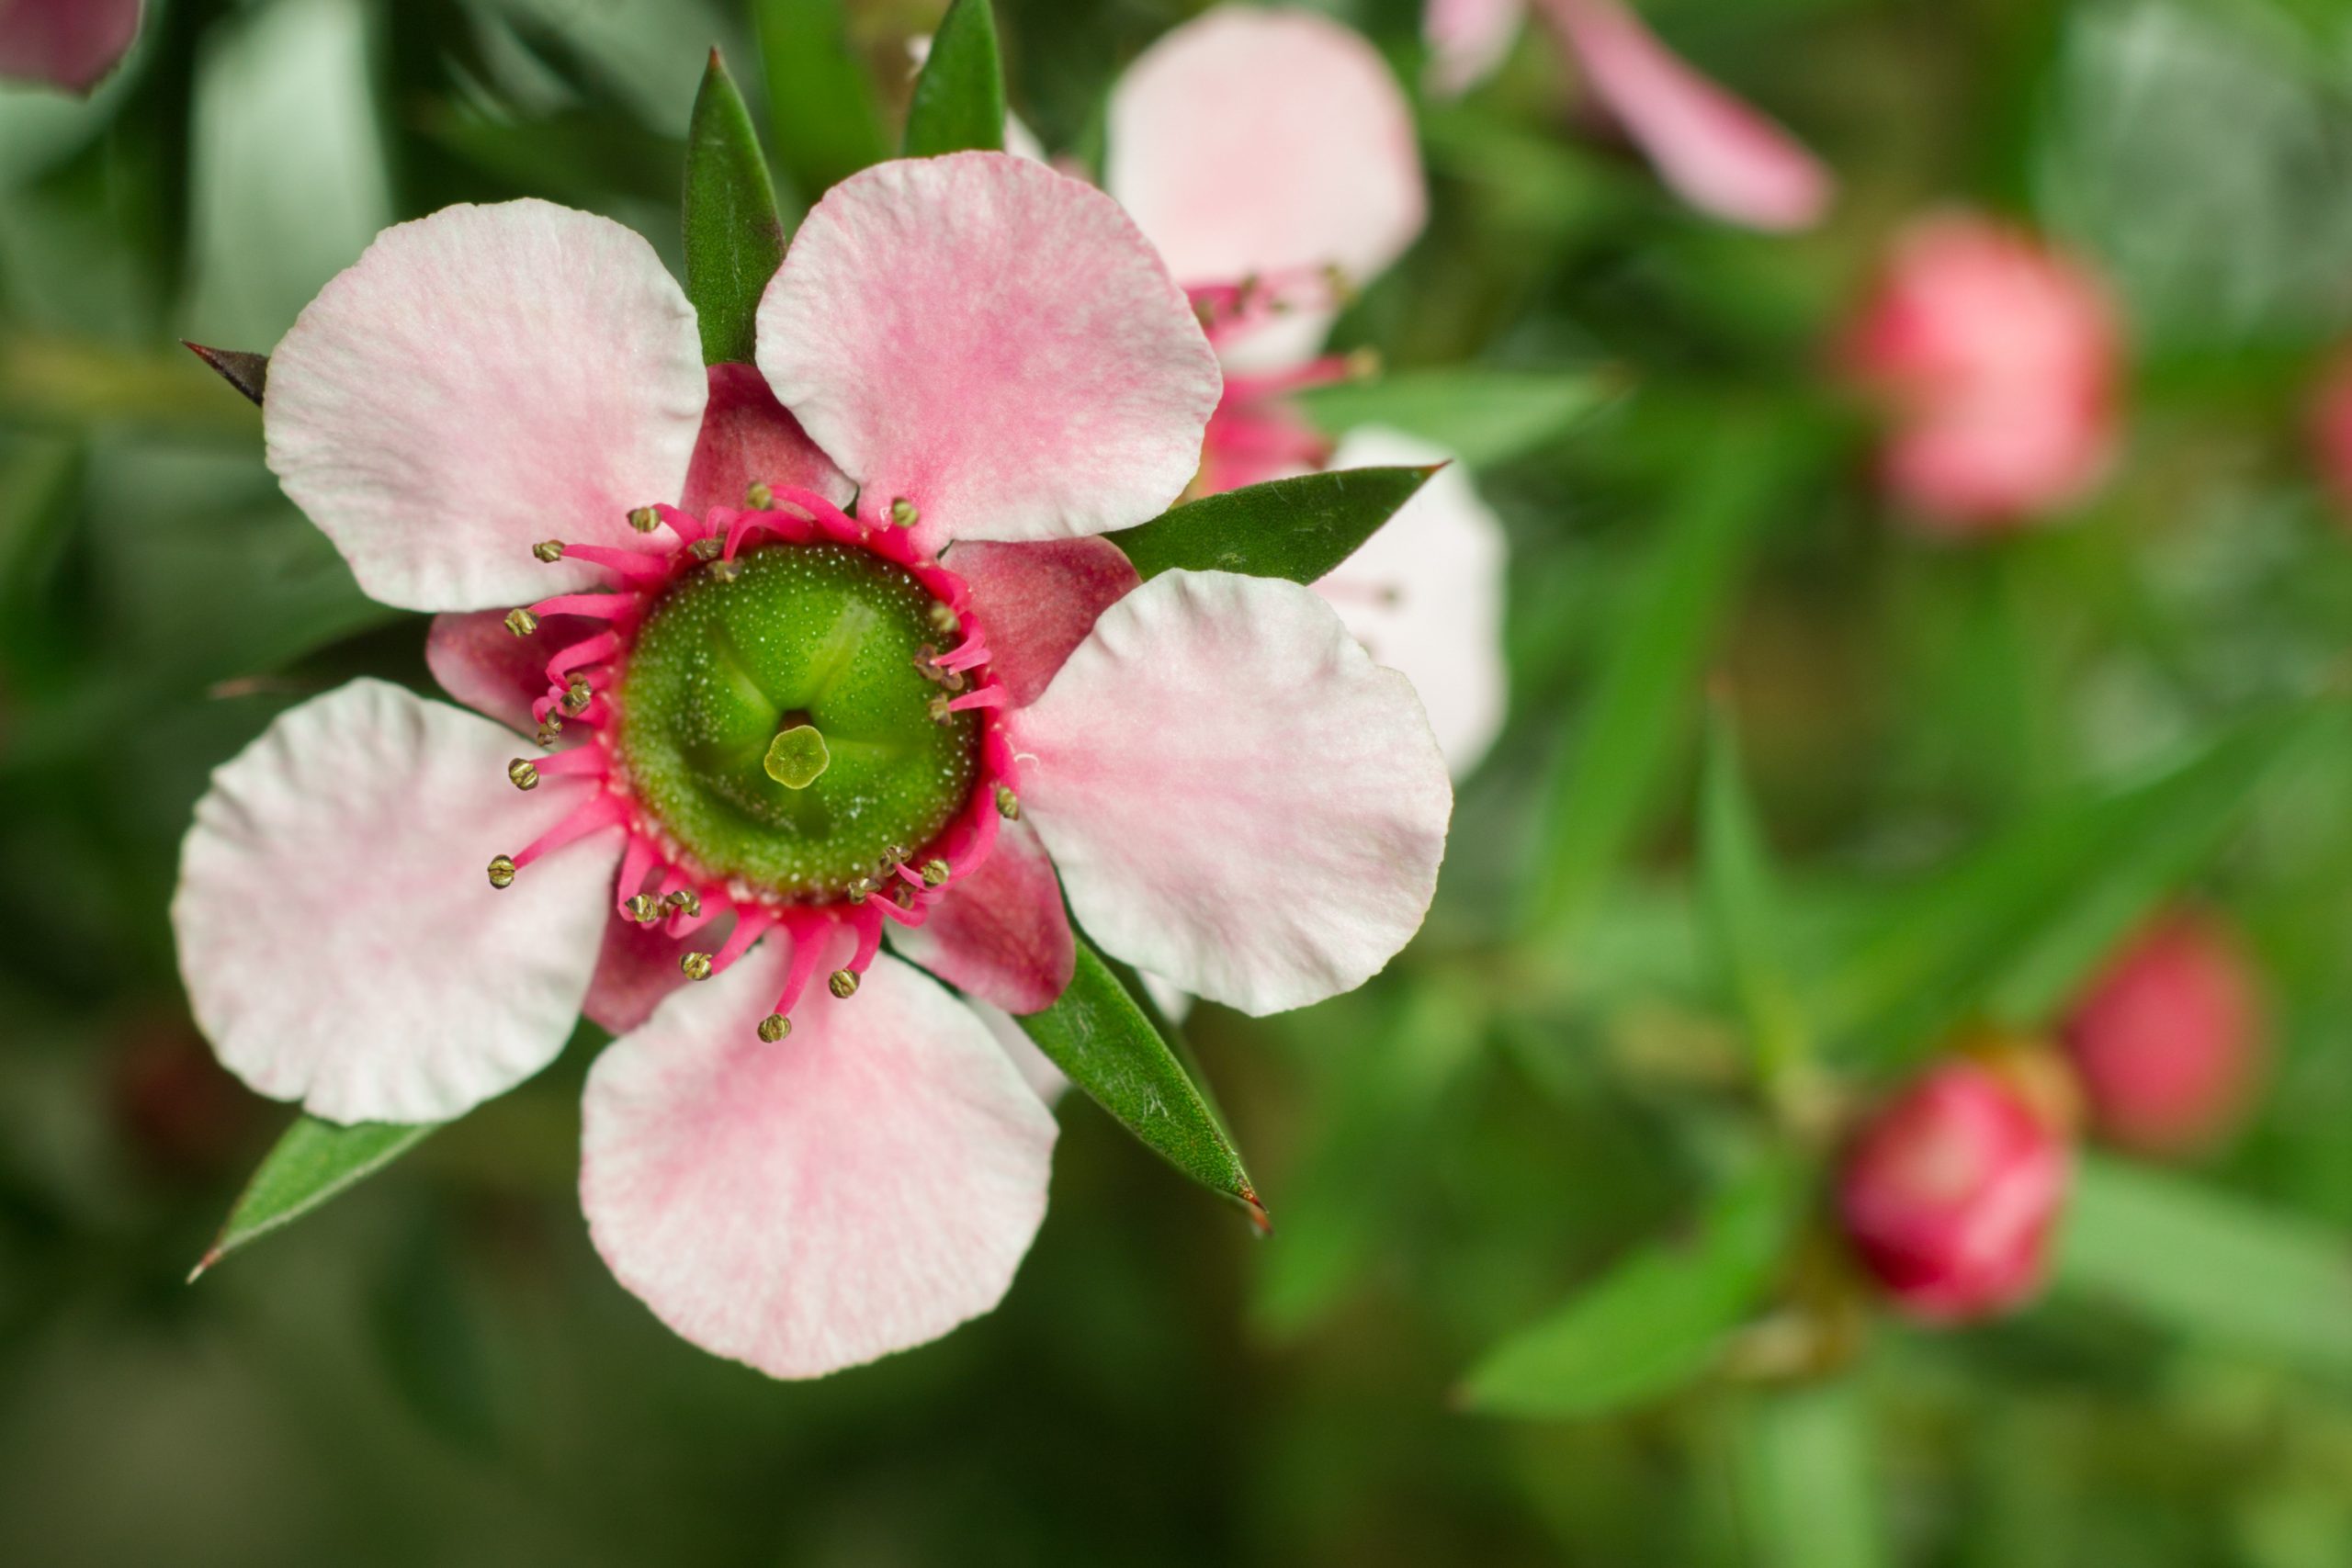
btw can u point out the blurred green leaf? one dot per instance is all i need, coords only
(1297, 528)
(959, 102)
(1808, 1493)
(1482, 416)
(734, 238)
(1653, 1322)
(2016, 926)
(313, 1162)
(1604, 784)
(820, 101)
(2208, 1264)
(1735, 875)
(1099, 1036)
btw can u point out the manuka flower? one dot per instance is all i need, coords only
(813, 650)
(1270, 157)
(2170, 1042)
(1717, 154)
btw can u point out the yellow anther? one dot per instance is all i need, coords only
(936, 873)
(758, 498)
(727, 570)
(523, 773)
(775, 1026)
(939, 711)
(1364, 362)
(644, 519)
(708, 547)
(548, 551)
(686, 902)
(522, 622)
(860, 890)
(903, 514)
(843, 984)
(502, 870)
(903, 895)
(642, 908)
(1008, 804)
(696, 966)
(943, 617)
(549, 728)
(576, 698)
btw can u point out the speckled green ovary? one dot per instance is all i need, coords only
(821, 635)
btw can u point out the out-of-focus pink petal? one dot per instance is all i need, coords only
(66, 43)
(863, 1186)
(1249, 141)
(1425, 596)
(1468, 40)
(1718, 153)
(1037, 601)
(747, 437)
(1238, 797)
(483, 665)
(1999, 359)
(992, 342)
(2169, 1043)
(1000, 934)
(340, 940)
(481, 379)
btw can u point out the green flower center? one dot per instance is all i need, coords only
(779, 721)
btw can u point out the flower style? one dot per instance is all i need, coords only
(1999, 358)
(1270, 157)
(1716, 152)
(66, 43)
(822, 648)
(2169, 1043)
(1948, 1193)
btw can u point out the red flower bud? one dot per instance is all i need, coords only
(1948, 1191)
(2169, 1043)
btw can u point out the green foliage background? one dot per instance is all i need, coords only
(1938, 783)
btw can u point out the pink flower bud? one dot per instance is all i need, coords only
(2331, 430)
(1948, 1191)
(2169, 1043)
(1998, 357)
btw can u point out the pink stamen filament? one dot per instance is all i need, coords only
(599, 811)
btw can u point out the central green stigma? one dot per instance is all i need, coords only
(779, 723)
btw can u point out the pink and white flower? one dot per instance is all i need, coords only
(66, 43)
(2169, 1043)
(1717, 154)
(1271, 156)
(1998, 358)
(875, 556)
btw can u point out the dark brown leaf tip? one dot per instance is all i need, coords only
(249, 373)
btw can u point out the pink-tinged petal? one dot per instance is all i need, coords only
(481, 664)
(340, 940)
(481, 379)
(1046, 1080)
(637, 967)
(1039, 602)
(993, 342)
(747, 437)
(1425, 596)
(1718, 153)
(1250, 142)
(863, 1186)
(66, 43)
(1468, 40)
(1000, 934)
(1238, 797)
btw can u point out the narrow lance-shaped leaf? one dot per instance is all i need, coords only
(1100, 1038)
(734, 236)
(2209, 1265)
(313, 1162)
(1482, 416)
(1807, 1485)
(958, 104)
(1297, 528)
(1653, 1322)
(1741, 913)
(820, 100)
(1605, 783)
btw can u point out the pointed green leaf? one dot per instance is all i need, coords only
(1605, 784)
(1482, 416)
(2208, 1264)
(1297, 528)
(734, 238)
(1099, 1036)
(2015, 927)
(313, 1162)
(1653, 1322)
(958, 104)
(1740, 906)
(820, 100)
(1808, 1488)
